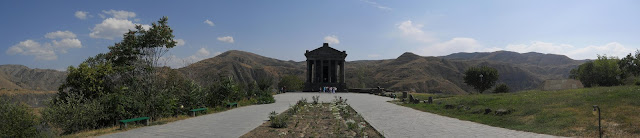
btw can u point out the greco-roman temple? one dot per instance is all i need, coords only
(325, 67)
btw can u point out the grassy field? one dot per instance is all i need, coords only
(562, 113)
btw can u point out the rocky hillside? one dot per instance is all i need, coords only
(245, 67)
(22, 77)
(408, 72)
(544, 66)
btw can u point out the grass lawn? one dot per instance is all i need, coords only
(562, 113)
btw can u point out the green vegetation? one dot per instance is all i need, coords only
(501, 88)
(128, 82)
(277, 121)
(481, 78)
(564, 113)
(17, 120)
(291, 82)
(631, 64)
(604, 71)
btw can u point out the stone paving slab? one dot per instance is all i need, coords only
(390, 119)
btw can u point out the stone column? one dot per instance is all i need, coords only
(321, 70)
(308, 71)
(342, 71)
(331, 71)
(315, 71)
(336, 78)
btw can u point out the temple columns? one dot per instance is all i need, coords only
(308, 71)
(316, 73)
(341, 72)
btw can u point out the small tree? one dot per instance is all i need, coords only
(604, 71)
(16, 120)
(630, 64)
(501, 88)
(481, 78)
(291, 82)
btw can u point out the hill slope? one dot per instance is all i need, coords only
(407, 72)
(22, 77)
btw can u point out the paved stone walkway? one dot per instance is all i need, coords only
(392, 120)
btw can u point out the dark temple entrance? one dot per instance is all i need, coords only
(325, 67)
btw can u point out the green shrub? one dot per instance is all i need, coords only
(74, 114)
(277, 121)
(315, 99)
(501, 88)
(481, 78)
(603, 71)
(16, 120)
(638, 82)
(291, 82)
(266, 98)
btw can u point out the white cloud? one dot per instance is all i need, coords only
(202, 52)
(81, 15)
(121, 14)
(46, 51)
(64, 44)
(60, 34)
(227, 39)
(415, 32)
(455, 45)
(541, 47)
(210, 23)
(588, 52)
(33, 48)
(111, 28)
(179, 42)
(331, 39)
(375, 4)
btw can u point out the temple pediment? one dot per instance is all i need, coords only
(325, 52)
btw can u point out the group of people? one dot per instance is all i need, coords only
(328, 89)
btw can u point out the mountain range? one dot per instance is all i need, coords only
(408, 72)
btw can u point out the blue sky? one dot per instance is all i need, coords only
(55, 35)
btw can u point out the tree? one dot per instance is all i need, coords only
(630, 64)
(123, 83)
(604, 71)
(501, 88)
(481, 78)
(291, 82)
(16, 120)
(224, 90)
(74, 114)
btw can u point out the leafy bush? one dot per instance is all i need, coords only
(501, 88)
(266, 98)
(638, 82)
(263, 92)
(481, 78)
(277, 121)
(17, 120)
(224, 90)
(291, 82)
(74, 114)
(315, 99)
(604, 71)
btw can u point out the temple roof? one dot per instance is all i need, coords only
(326, 52)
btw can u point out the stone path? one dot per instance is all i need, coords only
(390, 119)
